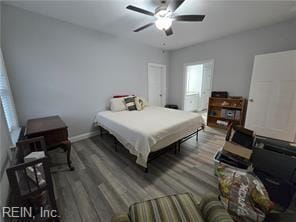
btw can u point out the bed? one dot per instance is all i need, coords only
(150, 130)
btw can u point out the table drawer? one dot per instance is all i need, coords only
(53, 137)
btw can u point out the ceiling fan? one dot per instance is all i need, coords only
(165, 16)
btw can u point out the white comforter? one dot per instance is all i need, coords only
(150, 129)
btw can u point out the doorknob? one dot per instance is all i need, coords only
(160, 95)
(251, 100)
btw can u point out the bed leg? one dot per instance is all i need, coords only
(196, 135)
(146, 169)
(115, 144)
(101, 131)
(178, 146)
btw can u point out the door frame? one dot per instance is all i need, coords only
(212, 61)
(163, 83)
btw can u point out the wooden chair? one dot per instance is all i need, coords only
(31, 183)
(26, 146)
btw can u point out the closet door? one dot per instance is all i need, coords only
(156, 84)
(272, 99)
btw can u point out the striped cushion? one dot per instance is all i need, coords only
(130, 103)
(121, 218)
(212, 209)
(172, 208)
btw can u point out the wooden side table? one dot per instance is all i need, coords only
(54, 131)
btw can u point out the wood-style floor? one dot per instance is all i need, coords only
(106, 182)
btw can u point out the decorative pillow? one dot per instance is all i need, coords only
(117, 104)
(139, 103)
(120, 96)
(145, 102)
(130, 103)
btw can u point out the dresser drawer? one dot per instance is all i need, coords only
(53, 137)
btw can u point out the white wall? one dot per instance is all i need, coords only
(55, 67)
(233, 57)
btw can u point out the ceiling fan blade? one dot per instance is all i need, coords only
(175, 4)
(189, 18)
(169, 31)
(144, 27)
(143, 11)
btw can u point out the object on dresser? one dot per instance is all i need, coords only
(230, 110)
(222, 123)
(220, 94)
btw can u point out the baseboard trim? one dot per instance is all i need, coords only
(83, 136)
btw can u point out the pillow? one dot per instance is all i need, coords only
(145, 102)
(120, 96)
(130, 103)
(139, 103)
(117, 104)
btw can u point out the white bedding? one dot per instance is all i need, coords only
(151, 129)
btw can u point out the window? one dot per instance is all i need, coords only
(6, 98)
(194, 79)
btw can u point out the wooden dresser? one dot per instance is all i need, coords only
(54, 131)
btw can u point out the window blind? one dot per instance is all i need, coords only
(6, 98)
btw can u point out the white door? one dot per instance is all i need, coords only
(272, 99)
(156, 84)
(206, 85)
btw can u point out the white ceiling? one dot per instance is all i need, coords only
(222, 18)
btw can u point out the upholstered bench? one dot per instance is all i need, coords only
(176, 208)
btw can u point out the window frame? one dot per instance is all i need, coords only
(8, 105)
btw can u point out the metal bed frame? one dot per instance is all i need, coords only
(155, 154)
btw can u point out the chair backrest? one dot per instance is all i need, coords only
(240, 135)
(26, 146)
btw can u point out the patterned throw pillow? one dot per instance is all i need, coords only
(139, 103)
(130, 103)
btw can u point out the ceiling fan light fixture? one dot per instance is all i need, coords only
(161, 13)
(163, 23)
